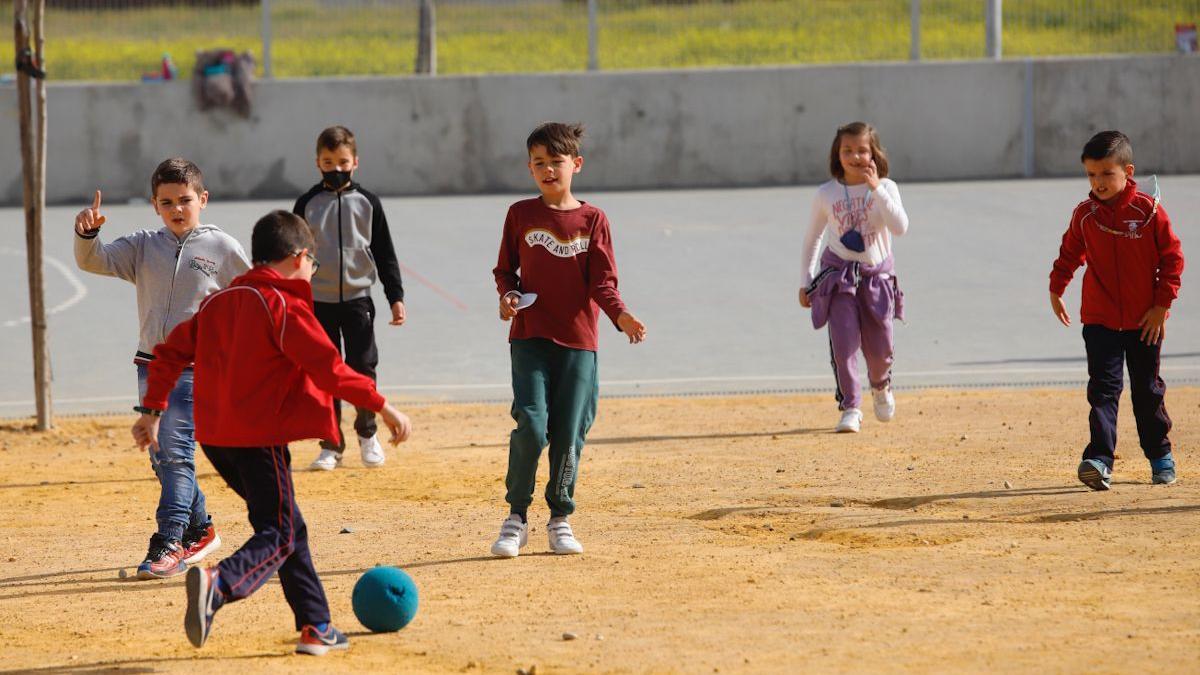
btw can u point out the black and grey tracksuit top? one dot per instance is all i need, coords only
(354, 245)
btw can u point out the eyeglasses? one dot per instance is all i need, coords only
(316, 264)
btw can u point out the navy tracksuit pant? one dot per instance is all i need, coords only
(263, 477)
(1108, 351)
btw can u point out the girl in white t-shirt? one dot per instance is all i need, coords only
(852, 286)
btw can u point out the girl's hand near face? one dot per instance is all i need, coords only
(871, 173)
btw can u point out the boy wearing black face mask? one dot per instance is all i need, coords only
(354, 248)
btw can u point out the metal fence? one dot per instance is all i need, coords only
(126, 39)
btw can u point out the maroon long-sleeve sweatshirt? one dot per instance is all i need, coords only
(566, 257)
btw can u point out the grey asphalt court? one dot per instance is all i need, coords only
(713, 273)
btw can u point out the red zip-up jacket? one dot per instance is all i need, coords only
(264, 368)
(1134, 260)
(566, 257)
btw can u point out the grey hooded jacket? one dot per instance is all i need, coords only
(172, 275)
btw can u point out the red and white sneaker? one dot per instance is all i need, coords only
(199, 541)
(316, 643)
(164, 559)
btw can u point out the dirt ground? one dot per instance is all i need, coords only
(722, 534)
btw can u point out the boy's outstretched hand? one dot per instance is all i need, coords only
(90, 219)
(629, 324)
(508, 306)
(1152, 325)
(396, 422)
(145, 432)
(398, 314)
(1059, 309)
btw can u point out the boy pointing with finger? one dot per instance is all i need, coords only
(173, 269)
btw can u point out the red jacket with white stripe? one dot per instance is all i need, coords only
(1134, 260)
(264, 368)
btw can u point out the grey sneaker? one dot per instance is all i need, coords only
(1095, 474)
(1162, 470)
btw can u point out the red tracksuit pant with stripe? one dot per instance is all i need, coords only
(263, 477)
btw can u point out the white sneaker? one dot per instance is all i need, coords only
(328, 460)
(513, 536)
(885, 403)
(851, 421)
(562, 539)
(372, 451)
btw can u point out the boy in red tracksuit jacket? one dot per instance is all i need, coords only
(264, 375)
(1134, 263)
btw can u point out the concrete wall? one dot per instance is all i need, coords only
(659, 129)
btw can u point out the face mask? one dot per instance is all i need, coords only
(336, 179)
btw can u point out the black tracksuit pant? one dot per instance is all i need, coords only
(1108, 351)
(350, 326)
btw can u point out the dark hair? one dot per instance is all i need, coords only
(177, 170)
(279, 235)
(334, 138)
(559, 138)
(857, 129)
(1110, 144)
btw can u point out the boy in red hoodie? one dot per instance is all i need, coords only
(560, 249)
(264, 375)
(1134, 263)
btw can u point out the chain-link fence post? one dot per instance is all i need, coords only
(426, 39)
(266, 39)
(593, 37)
(914, 30)
(993, 24)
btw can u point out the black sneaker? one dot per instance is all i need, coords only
(164, 559)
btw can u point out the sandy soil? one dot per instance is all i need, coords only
(731, 534)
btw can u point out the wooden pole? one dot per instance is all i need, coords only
(33, 153)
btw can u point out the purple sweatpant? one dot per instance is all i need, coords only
(850, 327)
(858, 303)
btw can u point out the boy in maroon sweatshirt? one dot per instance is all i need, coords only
(264, 375)
(556, 253)
(1134, 263)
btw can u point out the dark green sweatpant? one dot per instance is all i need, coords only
(554, 401)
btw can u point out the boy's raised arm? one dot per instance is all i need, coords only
(117, 259)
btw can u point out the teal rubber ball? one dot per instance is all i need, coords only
(385, 599)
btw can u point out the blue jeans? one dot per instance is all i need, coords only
(180, 503)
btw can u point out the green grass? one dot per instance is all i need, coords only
(313, 38)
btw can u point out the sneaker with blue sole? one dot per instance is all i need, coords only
(1162, 470)
(164, 559)
(1095, 474)
(203, 601)
(317, 642)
